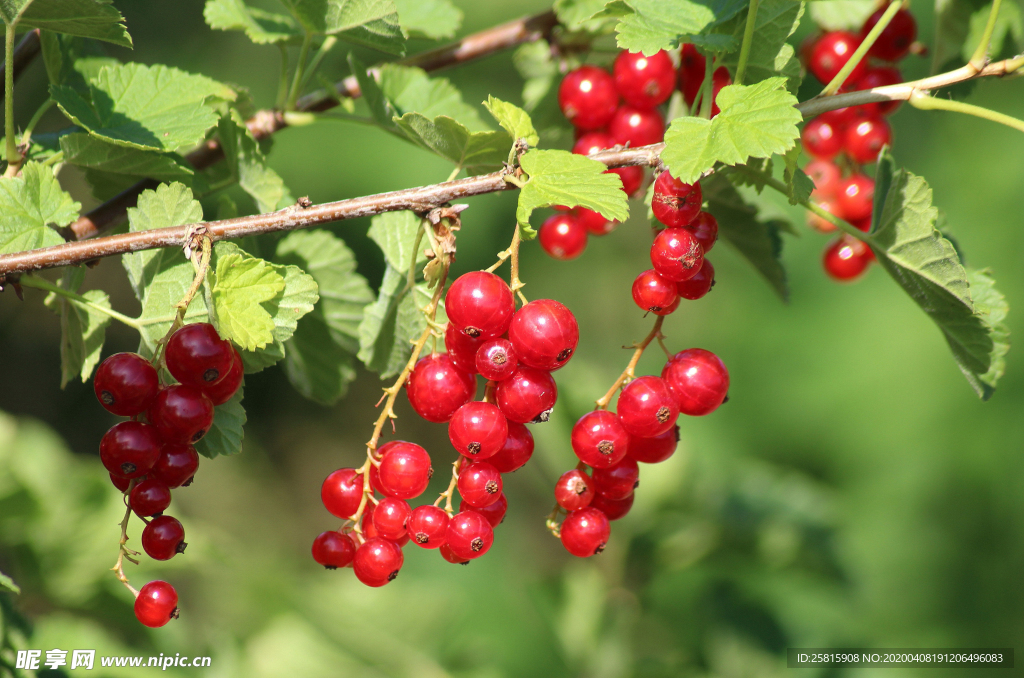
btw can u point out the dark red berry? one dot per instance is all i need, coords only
(447, 553)
(469, 535)
(156, 604)
(163, 538)
(879, 76)
(436, 388)
(599, 440)
(698, 379)
(847, 259)
(390, 516)
(341, 492)
(895, 39)
(826, 177)
(527, 396)
(494, 512)
(855, 197)
(593, 221)
(223, 390)
(632, 178)
(181, 413)
(177, 465)
(653, 293)
(619, 481)
(705, 229)
(644, 82)
(377, 562)
(588, 98)
(120, 483)
(636, 127)
(496, 359)
(647, 407)
(480, 304)
(544, 334)
(461, 349)
(593, 142)
(585, 532)
(427, 526)
(831, 52)
(405, 471)
(479, 484)
(699, 285)
(692, 65)
(562, 236)
(676, 255)
(612, 508)
(574, 490)
(478, 430)
(126, 384)
(333, 549)
(516, 451)
(863, 140)
(149, 497)
(197, 356)
(675, 203)
(654, 450)
(821, 139)
(130, 449)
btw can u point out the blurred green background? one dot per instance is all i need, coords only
(853, 492)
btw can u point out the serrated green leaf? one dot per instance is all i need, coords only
(798, 185)
(96, 19)
(842, 15)
(578, 14)
(411, 90)
(373, 23)
(71, 60)
(155, 108)
(434, 19)
(991, 307)
(476, 152)
(563, 178)
(29, 206)
(8, 583)
(249, 166)
(1009, 24)
(770, 53)
(659, 24)
(513, 120)
(396, 233)
(92, 153)
(756, 121)
(242, 285)
(82, 329)
(537, 67)
(381, 110)
(259, 26)
(225, 435)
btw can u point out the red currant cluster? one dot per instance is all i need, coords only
(147, 460)
(853, 135)
(515, 351)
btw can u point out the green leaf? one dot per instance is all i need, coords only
(411, 90)
(756, 121)
(476, 152)
(841, 15)
(96, 19)
(952, 25)
(536, 66)
(71, 60)
(513, 120)
(577, 14)
(1009, 23)
(434, 19)
(242, 285)
(770, 53)
(154, 108)
(92, 153)
(991, 307)
(249, 166)
(8, 583)
(373, 23)
(316, 365)
(395, 233)
(659, 24)
(228, 429)
(82, 329)
(380, 108)
(261, 27)
(798, 185)
(563, 178)
(29, 206)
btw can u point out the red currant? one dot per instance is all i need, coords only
(826, 177)
(496, 359)
(676, 255)
(469, 535)
(691, 72)
(705, 229)
(544, 334)
(494, 512)
(461, 349)
(821, 139)
(405, 471)
(864, 139)
(156, 604)
(855, 197)
(377, 562)
(223, 390)
(163, 538)
(390, 516)
(120, 483)
(879, 76)
(831, 52)
(527, 396)
(447, 553)
(637, 127)
(149, 497)
(562, 236)
(478, 430)
(427, 526)
(516, 451)
(480, 304)
(632, 177)
(585, 532)
(895, 40)
(654, 450)
(592, 142)
(699, 285)
(675, 203)
(126, 384)
(197, 356)
(698, 379)
(436, 388)
(177, 465)
(653, 293)
(130, 449)
(479, 484)
(647, 407)
(599, 440)
(612, 508)
(181, 413)
(846, 259)
(574, 490)
(619, 481)
(588, 98)
(333, 549)
(593, 221)
(341, 492)
(644, 82)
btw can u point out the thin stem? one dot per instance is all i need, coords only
(415, 255)
(930, 103)
(446, 496)
(327, 46)
(26, 136)
(515, 283)
(300, 68)
(707, 88)
(282, 80)
(748, 38)
(78, 299)
(124, 552)
(629, 372)
(455, 173)
(13, 154)
(858, 55)
(980, 55)
(54, 159)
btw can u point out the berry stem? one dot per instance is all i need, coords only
(708, 88)
(629, 372)
(300, 69)
(513, 250)
(980, 55)
(448, 493)
(858, 55)
(123, 551)
(78, 300)
(924, 102)
(748, 38)
(26, 135)
(13, 154)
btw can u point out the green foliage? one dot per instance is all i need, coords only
(513, 120)
(411, 90)
(225, 435)
(94, 153)
(770, 53)
(241, 286)
(1009, 24)
(476, 152)
(71, 60)
(248, 166)
(260, 26)
(396, 234)
(798, 185)
(842, 15)
(393, 322)
(96, 19)
(82, 328)
(29, 206)
(952, 24)
(534, 63)
(661, 24)
(434, 19)
(8, 583)
(579, 14)
(372, 23)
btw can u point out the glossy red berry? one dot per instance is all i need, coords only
(223, 390)
(895, 40)
(120, 483)
(846, 259)
(632, 178)
(156, 604)
(699, 285)
(653, 293)
(496, 359)
(405, 470)
(654, 450)
(544, 334)
(584, 533)
(333, 549)
(599, 440)
(436, 388)
(447, 553)
(562, 236)
(461, 349)
(821, 140)
(855, 197)
(574, 490)
(636, 127)
(593, 221)
(691, 78)
(377, 562)
(698, 379)
(675, 203)
(469, 535)
(480, 304)
(478, 430)
(864, 139)
(177, 465)
(647, 407)
(390, 517)
(613, 509)
(149, 497)
(676, 255)
(879, 76)
(588, 98)
(494, 512)
(163, 538)
(705, 229)
(181, 413)
(427, 526)
(126, 384)
(197, 356)
(826, 177)
(841, 117)
(831, 52)
(341, 492)
(479, 484)
(527, 396)
(644, 82)
(516, 451)
(130, 449)
(592, 142)
(619, 481)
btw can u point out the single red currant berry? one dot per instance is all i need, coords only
(654, 450)
(599, 439)
(819, 223)
(333, 549)
(699, 285)
(584, 533)
(479, 484)
(691, 72)
(647, 407)
(461, 348)
(846, 259)
(496, 359)
(177, 465)
(377, 562)
(841, 117)
(437, 388)
(613, 509)
(698, 379)
(574, 490)
(821, 140)
(895, 40)
(126, 384)
(637, 127)
(120, 483)
(469, 535)
(427, 526)
(405, 471)
(390, 516)
(675, 203)
(480, 304)
(366, 524)
(223, 390)
(653, 293)
(562, 236)
(879, 76)
(375, 472)
(826, 177)
(544, 334)
(516, 451)
(856, 197)
(593, 221)
(527, 396)
(676, 255)
(181, 413)
(644, 82)
(341, 492)
(632, 178)
(478, 430)
(863, 140)
(447, 553)
(197, 356)
(705, 229)
(593, 142)
(163, 538)
(588, 98)
(619, 481)
(130, 449)
(494, 512)
(830, 54)
(149, 497)
(156, 604)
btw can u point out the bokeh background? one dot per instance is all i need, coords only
(853, 492)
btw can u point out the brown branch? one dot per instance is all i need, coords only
(266, 122)
(24, 53)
